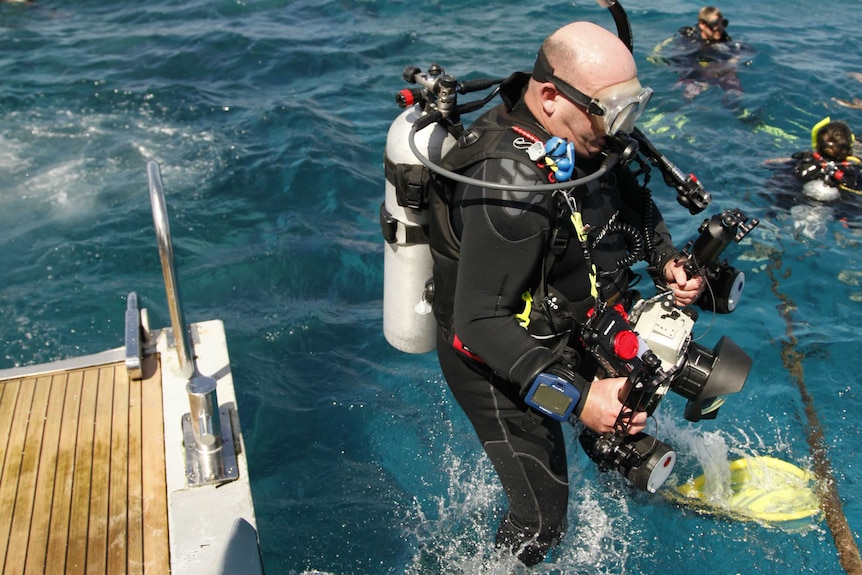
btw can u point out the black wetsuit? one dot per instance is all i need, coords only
(489, 248)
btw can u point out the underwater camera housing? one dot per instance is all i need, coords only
(656, 353)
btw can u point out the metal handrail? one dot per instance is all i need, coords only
(166, 253)
(210, 453)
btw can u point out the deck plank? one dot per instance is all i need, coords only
(76, 552)
(118, 511)
(8, 400)
(135, 539)
(61, 503)
(12, 462)
(156, 540)
(97, 530)
(39, 527)
(27, 477)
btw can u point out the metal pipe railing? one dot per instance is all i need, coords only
(166, 252)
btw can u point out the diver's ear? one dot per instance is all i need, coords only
(548, 97)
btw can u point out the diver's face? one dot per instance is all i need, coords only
(612, 109)
(584, 130)
(710, 31)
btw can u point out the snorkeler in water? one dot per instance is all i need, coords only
(816, 186)
(831, 166)
(705, 55)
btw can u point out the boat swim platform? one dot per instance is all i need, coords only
(93, 477)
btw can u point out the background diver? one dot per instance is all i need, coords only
(704, 55)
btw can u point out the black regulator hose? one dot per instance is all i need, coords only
(649, 244)
(634, 243)
(468, 86)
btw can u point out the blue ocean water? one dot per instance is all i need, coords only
(269, 120)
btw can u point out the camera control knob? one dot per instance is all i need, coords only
(651, 360)
(626, 344)
(410, 73)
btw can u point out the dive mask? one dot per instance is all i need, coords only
(618, 106)
(717, 24)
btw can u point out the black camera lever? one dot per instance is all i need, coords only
(690, 192)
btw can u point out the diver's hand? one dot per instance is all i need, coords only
(603, 406)
(685, 290)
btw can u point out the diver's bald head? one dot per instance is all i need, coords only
(589, 57)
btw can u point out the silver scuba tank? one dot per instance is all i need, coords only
(408, 323)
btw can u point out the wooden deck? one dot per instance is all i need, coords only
(82, 473)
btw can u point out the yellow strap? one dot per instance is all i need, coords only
(524, 316)
(816, 129)
(578, 223)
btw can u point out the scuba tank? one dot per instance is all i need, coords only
(417, 141)
(408, 323)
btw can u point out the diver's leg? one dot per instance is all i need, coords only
(528, 455)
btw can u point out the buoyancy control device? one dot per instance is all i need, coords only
(417, 141)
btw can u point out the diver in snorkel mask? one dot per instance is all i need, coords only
(705, 55)
(498, 251)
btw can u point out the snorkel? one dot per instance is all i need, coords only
(690, 192)
(621, 19)
(815, 129)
